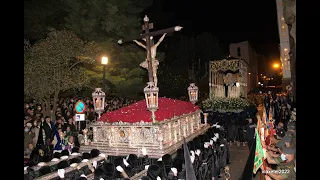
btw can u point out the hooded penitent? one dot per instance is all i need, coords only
(109, 170)
(153, 171)
(98, 174)
(118, 161)
(132, 160)
(214, 168)
(94, 153)
(44, 170)
(167, 161)
(162, 169)
(63, 164)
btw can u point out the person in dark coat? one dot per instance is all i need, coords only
(70, 124)
(284, 116)
(46, 135)
(267, 102)
(250, 132)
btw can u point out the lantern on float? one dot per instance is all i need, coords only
(193, 93)
(98, 97)
(151, 95)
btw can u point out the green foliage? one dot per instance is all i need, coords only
(56, 64)
(102, 20)
(226, 104)
(105, 22)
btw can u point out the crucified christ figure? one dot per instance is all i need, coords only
(155, 62)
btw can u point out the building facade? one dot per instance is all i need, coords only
(244, 51)
(284, 44)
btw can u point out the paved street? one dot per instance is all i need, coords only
(239, 155)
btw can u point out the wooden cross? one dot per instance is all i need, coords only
(149, 43)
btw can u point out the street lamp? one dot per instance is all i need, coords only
(98, 97)
(276, 65)
(151, 96)
(104, 62)
(193, 93)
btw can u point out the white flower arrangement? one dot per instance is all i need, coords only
(226, 104)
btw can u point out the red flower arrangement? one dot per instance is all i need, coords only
(136, 112)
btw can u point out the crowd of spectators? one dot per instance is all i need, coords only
(58, 130)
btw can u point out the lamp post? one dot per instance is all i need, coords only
(276, 65)
(151, 96)
(104, 62)
(193, 93)
(98, 97)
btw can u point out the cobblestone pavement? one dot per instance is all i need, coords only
(239, 156)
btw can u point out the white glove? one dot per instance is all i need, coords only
(218, 126)
(61, 173)
(215, 125)
(192, 159)
(158, 178)
(211, 142)
(175, 171)
(85, 160)
(221, 145)
(160, 159)
(216, 135)
(82, 175)
(102, 155)
(146, 167)
(94, 164)
(214, 139)
(206, 145)
(119, 168)
(198, 152)
(125, 162)
(192, 153)
(144, 151)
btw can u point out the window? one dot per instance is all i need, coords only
(239, 51)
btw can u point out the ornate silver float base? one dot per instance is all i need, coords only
(153, 151)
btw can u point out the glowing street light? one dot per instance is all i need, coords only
(276, 65)
(104, 60)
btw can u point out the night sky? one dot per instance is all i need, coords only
(228, 20)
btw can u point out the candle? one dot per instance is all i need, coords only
(151, 100)
(205, 117)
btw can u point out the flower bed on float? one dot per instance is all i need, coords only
(137, 112)
(129, 129)
(225, 104)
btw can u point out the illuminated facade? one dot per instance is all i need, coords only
(284, 43)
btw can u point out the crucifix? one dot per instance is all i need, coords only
(151, 63)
